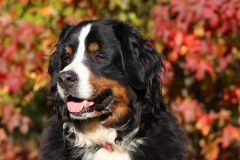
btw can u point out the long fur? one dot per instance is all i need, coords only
(149, 130)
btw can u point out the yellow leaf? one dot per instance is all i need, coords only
(46, 11)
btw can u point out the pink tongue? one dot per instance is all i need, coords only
(78, 106)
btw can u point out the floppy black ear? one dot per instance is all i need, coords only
(55, 66)
(141, 60)
(55, 63)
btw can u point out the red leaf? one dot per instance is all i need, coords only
(190, 62)
(222, 63)
(197, 65)
(9, 52)
(209, 14)
(202, 68)
(193, 44)
(14, 82)
(229, 134)
(204, 124)
(189, 110)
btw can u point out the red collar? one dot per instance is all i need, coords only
(108, 147)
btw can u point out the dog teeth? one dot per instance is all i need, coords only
(85, 104)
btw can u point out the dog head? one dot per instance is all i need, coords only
(100, 68)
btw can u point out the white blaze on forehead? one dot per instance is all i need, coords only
(81, 47)
(84, 88)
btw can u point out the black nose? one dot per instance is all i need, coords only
(67, 79)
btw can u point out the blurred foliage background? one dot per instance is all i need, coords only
(199, 38)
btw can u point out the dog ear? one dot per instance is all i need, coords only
(142, 63)
(55, 66)
(55, 61)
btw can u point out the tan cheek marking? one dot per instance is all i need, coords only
(120, 109)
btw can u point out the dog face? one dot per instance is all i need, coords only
(100, 68)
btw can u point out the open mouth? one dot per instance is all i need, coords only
(97, 106)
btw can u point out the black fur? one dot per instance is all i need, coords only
(138, 68)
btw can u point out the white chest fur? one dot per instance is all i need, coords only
(103, 154)
(90, 135)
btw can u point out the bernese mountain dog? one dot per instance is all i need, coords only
(106, 90)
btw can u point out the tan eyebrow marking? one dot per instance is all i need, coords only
(93, 47)
(69, 50)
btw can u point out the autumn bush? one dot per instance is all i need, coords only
(200, 41)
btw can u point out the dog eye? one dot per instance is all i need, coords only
(68, 53)
(99, 58)
(67, 58)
